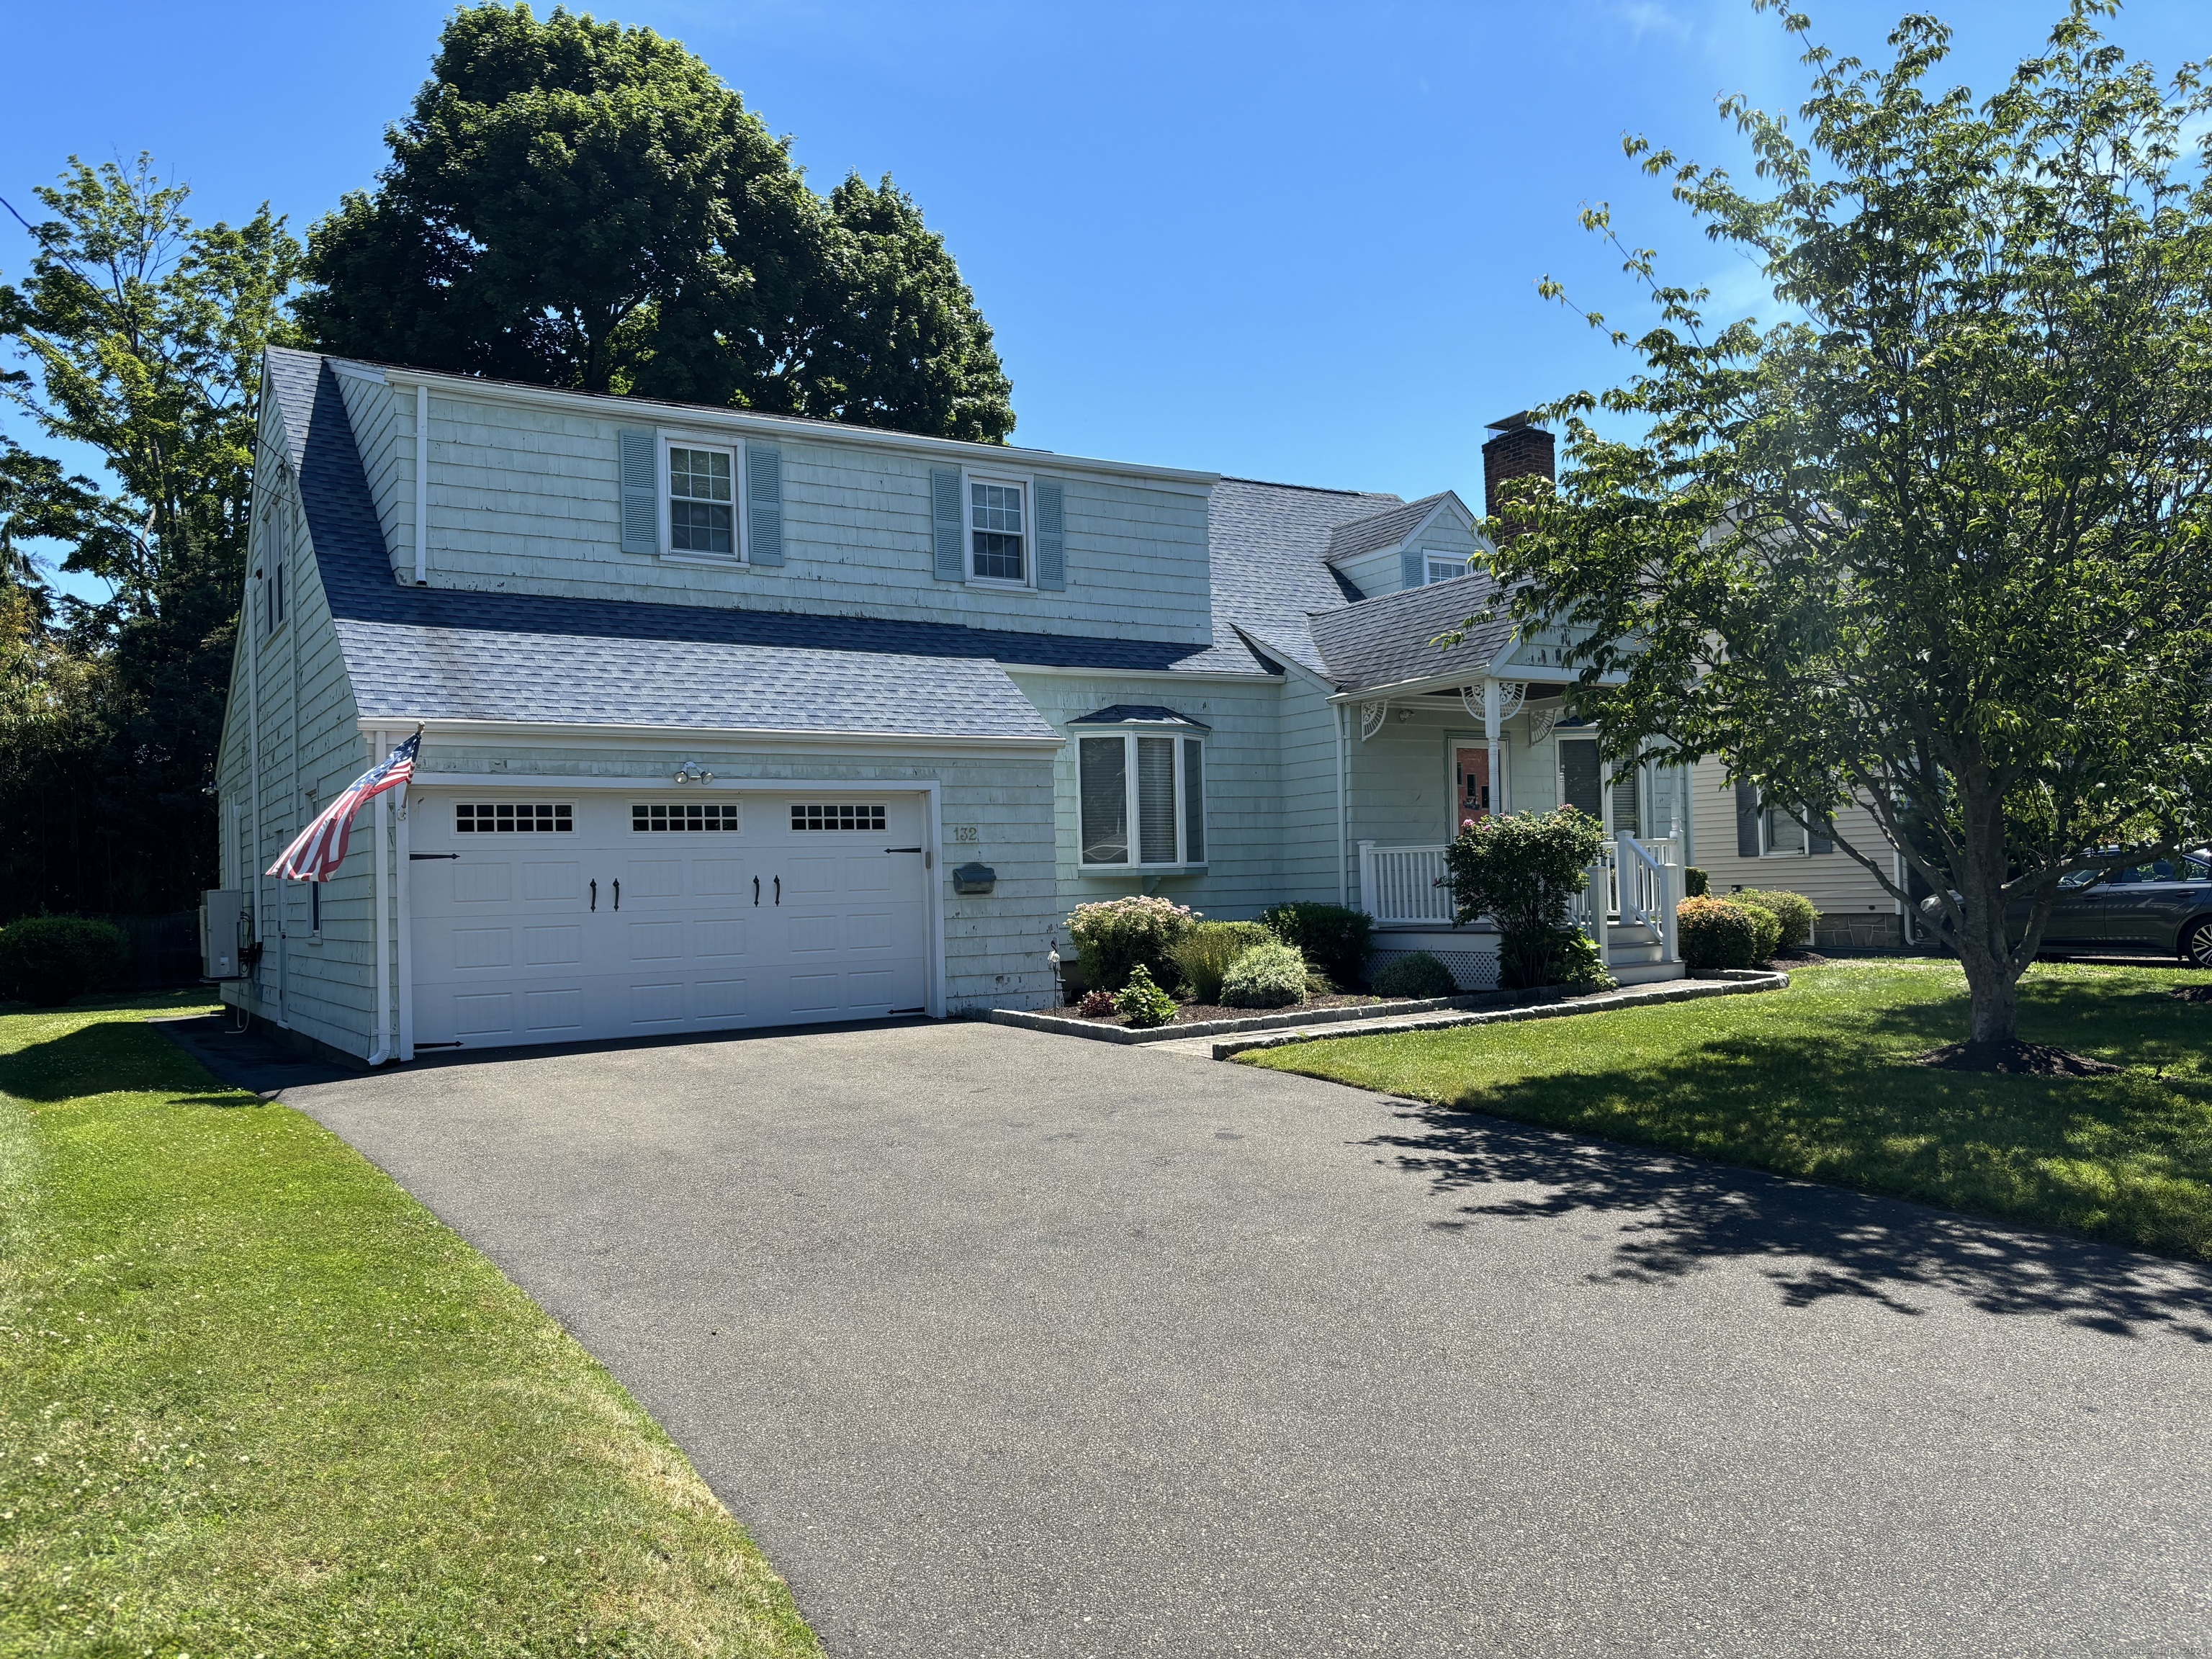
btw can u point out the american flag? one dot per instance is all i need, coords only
(320, 847)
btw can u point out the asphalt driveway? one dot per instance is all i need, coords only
(1005, 1344)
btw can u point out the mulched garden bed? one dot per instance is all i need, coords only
(1789, 959)
(1193, 1013)
(2018, 1058)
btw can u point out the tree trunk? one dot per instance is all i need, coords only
(1984, 949)
(1995, 992)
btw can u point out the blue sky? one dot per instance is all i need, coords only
(1286, 242)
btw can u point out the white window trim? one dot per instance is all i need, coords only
(740, 528)
(1431, 558)
(1027, 484)
(1182, 863)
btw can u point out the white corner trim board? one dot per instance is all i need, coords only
(422, 485)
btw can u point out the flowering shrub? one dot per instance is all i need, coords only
(1142, 1003)
(1523, 871)
(1097, 1005)
(1114, 937)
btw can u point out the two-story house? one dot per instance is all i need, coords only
(733, 720)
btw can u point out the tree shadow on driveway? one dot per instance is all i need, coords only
(1678, 1214)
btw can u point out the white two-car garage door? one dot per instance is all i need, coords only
(558, 918)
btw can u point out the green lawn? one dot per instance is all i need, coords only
(255, 1400)
(1816, 1081)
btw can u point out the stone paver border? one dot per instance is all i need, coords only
(1703, 982)
(1063, 1025)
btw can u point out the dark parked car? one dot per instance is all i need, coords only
(2163, 906)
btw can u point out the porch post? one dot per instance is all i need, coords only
(1492, 733)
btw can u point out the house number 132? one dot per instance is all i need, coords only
(964, 832)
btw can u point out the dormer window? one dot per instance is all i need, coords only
(1444, 568)
(702, 514)
(998, 530)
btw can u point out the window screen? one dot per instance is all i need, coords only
(701, 512)
(1784, 833)
(842, 816)
(508, 816)
(995, 512)
(1156, 800)
(1104, 788)
(701, 815)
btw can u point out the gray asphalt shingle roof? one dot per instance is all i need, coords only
(1269, 545)
(1389, 641)
(1121, 714)
(405, 672)
(1384, 529)
(459, 649)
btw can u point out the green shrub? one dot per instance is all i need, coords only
(1114, 937)
(47, 960)
(1271, 976)
(1695, 882)
(1577, 965)
(1793, 910)
(1419, 975)
(1523, 871)
(1142, 1003)
(1766, 924)
(1203, 955)
(1333, 938)
(1713, 933)
(1097, 1005)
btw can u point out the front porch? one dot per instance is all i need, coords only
(1631, 921)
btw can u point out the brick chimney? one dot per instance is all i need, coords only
(1520, 448)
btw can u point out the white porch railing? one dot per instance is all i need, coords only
(1645, 898)
(1634, 885)
(1402, 886)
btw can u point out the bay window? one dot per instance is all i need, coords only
(1141, 800)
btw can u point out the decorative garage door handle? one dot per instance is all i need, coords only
(757, 890)
(779, 890)
(595, 905)
(618, 896)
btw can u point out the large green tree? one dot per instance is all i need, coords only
(140, 335)
(579, 204)
(1936, 542)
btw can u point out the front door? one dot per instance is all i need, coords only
(1471, 771)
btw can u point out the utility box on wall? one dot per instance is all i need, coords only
(223, 915)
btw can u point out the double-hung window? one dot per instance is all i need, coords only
(1141, 800)
(702, 501)
(1444, 566)
(1780, 835)
(998, 530)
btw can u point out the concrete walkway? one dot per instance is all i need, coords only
(1008, 1344)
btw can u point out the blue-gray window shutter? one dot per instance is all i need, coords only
(1746, 821)
(952, 523)
(765, 503)
(1051, 536)
(1821, 837)
(641, 492)
(1413, 568)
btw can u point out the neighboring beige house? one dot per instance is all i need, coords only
(1738, 845)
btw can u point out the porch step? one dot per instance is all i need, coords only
(1646, 973)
